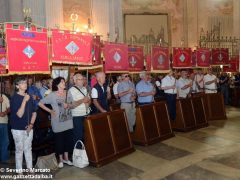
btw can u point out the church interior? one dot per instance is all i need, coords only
(201, 142)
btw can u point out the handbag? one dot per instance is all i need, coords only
(79, 156)
(47, 162)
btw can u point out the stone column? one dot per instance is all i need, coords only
(54, 13)
(38, 12)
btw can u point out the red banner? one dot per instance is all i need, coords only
(96, 51)
(203, 57)
(232, 65)
(135, 58)
(220, 56)
(69, 48)
(27, 51)
(3, 61)
(116, 57)
(148, 62)
(160, 58)
(182, 57)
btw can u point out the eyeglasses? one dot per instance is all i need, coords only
(126, 76)
(80, 79)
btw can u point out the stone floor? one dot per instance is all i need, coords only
(210, 153)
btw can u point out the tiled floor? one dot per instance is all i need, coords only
(211, 153)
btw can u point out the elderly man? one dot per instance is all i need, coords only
(81, 102)
(126, 92)
(199, 80)
(145, 89)
(100, 94)
(210, 82)
(169, 87)
(183, 85)
(115, 88)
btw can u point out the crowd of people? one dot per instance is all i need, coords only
(69, 105)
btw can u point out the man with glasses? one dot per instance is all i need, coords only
(81, 101)
(126, 92)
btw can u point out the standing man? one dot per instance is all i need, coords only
(210, 82)
(34, 92)
(126, 92)
(81, 103)
(224, 86)
(160, 92)
(101, 94)
(183, 85)
(169, 87)
(199, 80)
(4, 141)
(115, 89)
(145, 89)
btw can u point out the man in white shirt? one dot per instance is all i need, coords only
(183, 85)
(81, 103)
(101, 94)
(210, 82)
(169, 87)
(115, 89)
(199, 80)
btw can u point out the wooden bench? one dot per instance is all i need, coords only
(152, 124)
(185, 118)
(107, 137)
(214, 105)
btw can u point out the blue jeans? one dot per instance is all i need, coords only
(171, 104)
(4, 142)
(78, 128)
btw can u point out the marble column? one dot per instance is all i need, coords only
(236, 18)
(192, 23)
(38, 12)
(4, 13)
(15, 10)
(54, 13)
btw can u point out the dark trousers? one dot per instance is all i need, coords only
(63, 141)
(171, 104)
(78, 128)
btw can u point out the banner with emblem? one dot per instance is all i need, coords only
(220, 56)
(72, 48)
(116, 57)
(160, 58)
(203, 56)
(232, 65)
(135, 58)
(27, 50)
(182, 57)
(3, 61)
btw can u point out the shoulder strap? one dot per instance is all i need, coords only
(79, 90)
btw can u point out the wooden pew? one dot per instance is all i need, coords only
(199, 110)
(152, 124)
(185, 118)
(114, 106)
(235, 96)
(120, 132)
(163, 120)
(215, 109)
(107, 137)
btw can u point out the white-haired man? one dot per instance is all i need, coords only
(145, 89)
(81, 101)
(101, 94)
(126, 92)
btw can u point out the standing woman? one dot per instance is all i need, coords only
(22, 119)
(61, 119)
